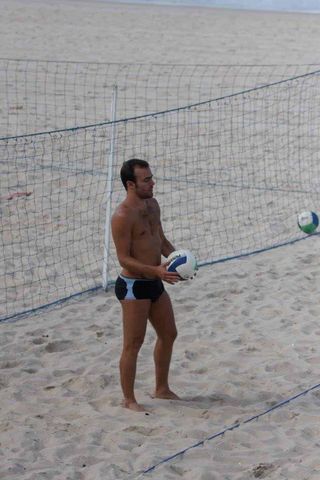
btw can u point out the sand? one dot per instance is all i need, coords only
(248, 329)
(106, 32)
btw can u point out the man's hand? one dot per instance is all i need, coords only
(169, 277)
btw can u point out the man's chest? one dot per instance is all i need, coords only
(147, 223)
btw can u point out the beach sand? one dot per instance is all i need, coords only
(104, 32)
(248, 328)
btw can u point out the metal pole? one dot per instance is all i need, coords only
(107, 230)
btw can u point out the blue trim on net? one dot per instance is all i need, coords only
(48, 305)
(111, 283)
(163, 112)
(229, 429)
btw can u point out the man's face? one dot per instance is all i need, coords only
(144, 182)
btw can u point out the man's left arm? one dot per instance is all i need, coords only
(166, 246)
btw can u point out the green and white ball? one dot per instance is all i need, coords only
(308, 222)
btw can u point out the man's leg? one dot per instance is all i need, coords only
(162, 319)
(135, 316)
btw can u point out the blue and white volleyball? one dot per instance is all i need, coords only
(184, 263)
(308, 221)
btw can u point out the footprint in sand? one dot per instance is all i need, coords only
(30, 370)
(262, 470)
(39, 341)
(9, 364)
(3, 383)
(147, 431)
(101, 308)
(240, 274)
(188, 308)
(200, 370)
(190, 355)
(58, 346)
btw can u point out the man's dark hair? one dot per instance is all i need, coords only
(127, 170)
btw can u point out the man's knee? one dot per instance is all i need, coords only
(174, 334)
(169, 336)
(133, 344)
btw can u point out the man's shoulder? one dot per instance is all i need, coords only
(153, 203)
(123, 211)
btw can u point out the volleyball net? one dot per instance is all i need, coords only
(37, 96)
(231, 175)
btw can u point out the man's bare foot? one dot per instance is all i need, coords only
(131, 405)
(165, 394)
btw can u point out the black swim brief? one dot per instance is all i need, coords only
(127, 288)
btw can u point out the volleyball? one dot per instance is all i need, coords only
(184, 263)
(308, 221)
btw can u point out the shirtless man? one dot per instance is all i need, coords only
(140, 242)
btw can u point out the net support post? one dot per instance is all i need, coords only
(107, 230)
